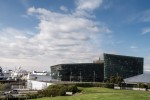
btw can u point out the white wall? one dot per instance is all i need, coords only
(37, 85)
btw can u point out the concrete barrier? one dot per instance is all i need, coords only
(69, 93)
(130, 88)
(141, 89)
(117, 87)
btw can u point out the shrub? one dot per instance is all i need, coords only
(72, 88)
(148, 86)
(109, 85)
(106, 85)
(54, 90)
(5, 87)
(62, 91)
(141, 85)
(2, 87)
(84, 84)
(57, 90)
(32, 95)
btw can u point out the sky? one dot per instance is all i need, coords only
(36, 34)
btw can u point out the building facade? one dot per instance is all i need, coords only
(124, 66)
(83, 72)
(100, 70)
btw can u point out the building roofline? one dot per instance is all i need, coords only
(124, 55)
(75, 64)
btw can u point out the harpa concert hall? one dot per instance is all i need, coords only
(100, 70)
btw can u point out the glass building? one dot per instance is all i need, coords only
(124, 66)
(85, 72)
(100, 70)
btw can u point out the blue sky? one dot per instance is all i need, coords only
(36, 34)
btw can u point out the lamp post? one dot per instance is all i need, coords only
(70, 76)
(94, 76)
(80, 77)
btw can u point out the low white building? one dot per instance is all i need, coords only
(37, 85)
(38, 82)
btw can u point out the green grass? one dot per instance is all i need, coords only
(96, 93)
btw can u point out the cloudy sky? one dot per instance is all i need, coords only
(36, 34)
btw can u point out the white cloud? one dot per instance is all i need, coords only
(133, 47)
(145, 31)
(88, 5)
(143, 16)
(84, 7)
(25, 3)
(63, 8)
(62, 38)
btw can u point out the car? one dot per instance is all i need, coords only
(13, 91)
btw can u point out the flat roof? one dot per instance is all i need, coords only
(123, 55)
(79, 64)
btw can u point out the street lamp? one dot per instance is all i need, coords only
(80, 77)
(70, 76)
(94, 76)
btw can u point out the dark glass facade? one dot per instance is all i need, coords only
(112, 65)
(85, 72)
(124, 66)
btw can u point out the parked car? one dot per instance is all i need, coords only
(12, 92)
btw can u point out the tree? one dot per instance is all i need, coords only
(2, 87)
(116, 79)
